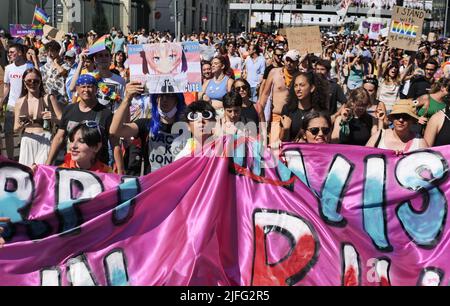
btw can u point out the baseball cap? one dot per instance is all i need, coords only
(293, 55)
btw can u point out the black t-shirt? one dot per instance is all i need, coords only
(162, 148)
(249, 114)
(360, 131)
(297, 120)
(419, 87)
(337, 97)
(72, 115)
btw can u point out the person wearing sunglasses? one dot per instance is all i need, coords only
(316, 127)
(248, 110)
(157, 134)
(201, 119)
(30, 114)
(88, 108)
(86, 141)
(401, 137)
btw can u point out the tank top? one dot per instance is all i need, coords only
(412, 145)
(388, 94)
(216, 91)
(435, 106)
(443, 137)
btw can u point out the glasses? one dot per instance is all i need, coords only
(194, 116)
(279, 54)
(315, 130)
(400, 116)
(32, 81)
(92, 125)
(239, 88)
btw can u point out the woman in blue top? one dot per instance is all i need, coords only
(214, 89)
(356, 73)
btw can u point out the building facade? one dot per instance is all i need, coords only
(192, 15)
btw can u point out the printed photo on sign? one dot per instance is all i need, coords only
(166, 68)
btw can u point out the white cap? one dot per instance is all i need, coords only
(293, 55)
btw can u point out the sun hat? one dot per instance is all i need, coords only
(403, 106)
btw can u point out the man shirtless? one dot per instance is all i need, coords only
(278, 83)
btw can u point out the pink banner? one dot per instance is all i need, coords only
(335, 215)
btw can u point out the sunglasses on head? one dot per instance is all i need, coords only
(315, 130)
(194, 116)
(91, 124)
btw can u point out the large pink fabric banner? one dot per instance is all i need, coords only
(323, 215)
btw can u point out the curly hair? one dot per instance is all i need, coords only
(319, 97)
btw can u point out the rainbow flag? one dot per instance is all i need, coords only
(99, 45)
(40, 15)
(237, 74)
(404, 28)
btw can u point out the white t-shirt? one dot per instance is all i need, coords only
(13, 77)
(115, 83)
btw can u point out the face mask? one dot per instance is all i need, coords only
(168, 115)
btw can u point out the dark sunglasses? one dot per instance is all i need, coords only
(194, 116)
(401, 116)
(32, 82)
(315, 130)
(278, 54)
(238, 88)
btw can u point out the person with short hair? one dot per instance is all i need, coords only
(88, 108)
(254, 67)
(55, 72)
(337, 96)
(422, 81)
(201, 119)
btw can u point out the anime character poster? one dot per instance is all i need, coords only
(166, 67)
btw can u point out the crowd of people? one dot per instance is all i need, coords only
(80, 110)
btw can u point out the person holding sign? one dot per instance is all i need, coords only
(156, 132)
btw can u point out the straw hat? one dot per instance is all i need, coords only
(404, 106)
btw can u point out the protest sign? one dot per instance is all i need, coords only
(375, 30)
(305, 39)
(22, 30)
(166, 67)
(329, 214)
(53, 33)
(405, 31)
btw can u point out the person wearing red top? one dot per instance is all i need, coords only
(85, 142)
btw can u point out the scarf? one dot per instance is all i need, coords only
(287, 77)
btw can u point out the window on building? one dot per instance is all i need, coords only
(312, 18)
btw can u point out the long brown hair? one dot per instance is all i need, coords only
(441, 83)
(24, 87)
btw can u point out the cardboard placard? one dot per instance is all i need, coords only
(405, 31)
(305, 39)
(282, 32)
(53, 33)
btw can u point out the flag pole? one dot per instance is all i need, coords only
(34, 13)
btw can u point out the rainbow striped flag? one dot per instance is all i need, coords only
(99, 45)
(237, 74)
(40, 15)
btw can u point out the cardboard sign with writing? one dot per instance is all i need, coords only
(405, 30)
(305, 39)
